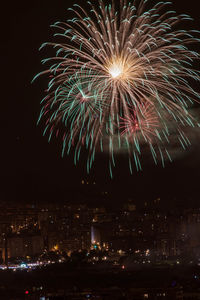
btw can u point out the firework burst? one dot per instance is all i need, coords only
(141, 121)
(121, 72)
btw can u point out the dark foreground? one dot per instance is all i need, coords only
(101, 282)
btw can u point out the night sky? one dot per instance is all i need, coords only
(33, 169)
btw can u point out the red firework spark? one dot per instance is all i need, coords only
(140, 121)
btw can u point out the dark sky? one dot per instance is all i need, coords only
(33, 169)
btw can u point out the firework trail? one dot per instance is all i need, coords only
(120, 73)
